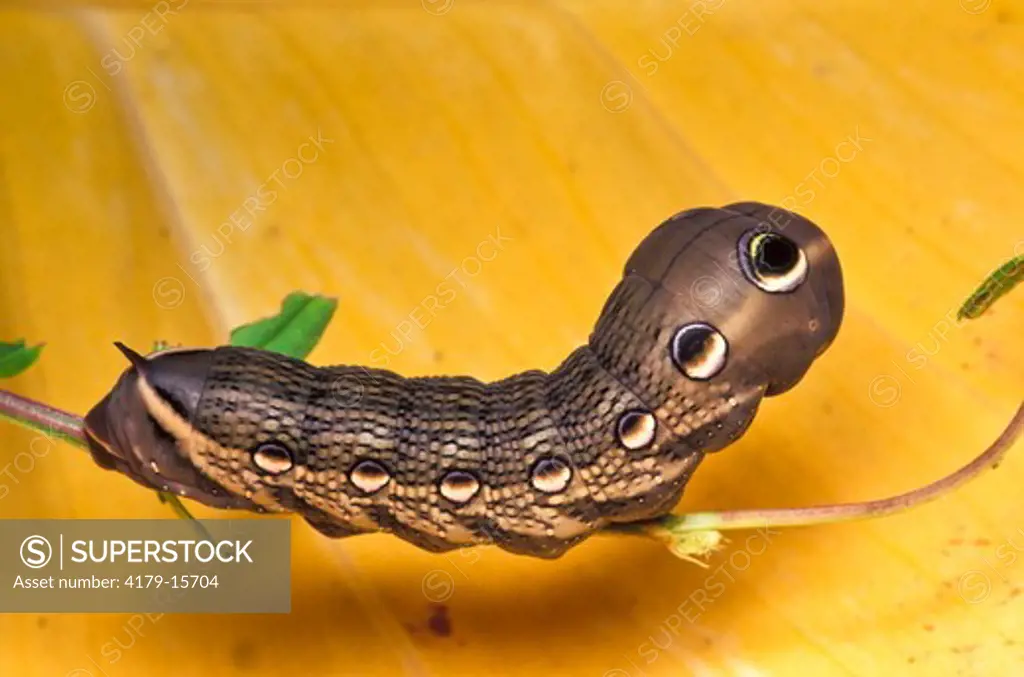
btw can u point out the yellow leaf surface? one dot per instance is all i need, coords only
(139, 145)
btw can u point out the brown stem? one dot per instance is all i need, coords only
(68, 427)
(822, 514)
(42, 417)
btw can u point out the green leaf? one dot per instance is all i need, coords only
(294, 331)
(182, 512)
(999, 283)
(17, 357)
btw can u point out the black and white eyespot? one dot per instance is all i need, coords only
(550, 475)
(272, 458)
(459, 486)
(636, 429)
(772, 261)
(369, 476)
(699, 351)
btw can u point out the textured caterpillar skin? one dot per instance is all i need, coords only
(193, 421)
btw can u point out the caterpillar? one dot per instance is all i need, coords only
(717, 309)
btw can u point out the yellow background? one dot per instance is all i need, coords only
(544, 122)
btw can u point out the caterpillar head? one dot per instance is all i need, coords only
(717, 309)
(124, 435)
(766, 279)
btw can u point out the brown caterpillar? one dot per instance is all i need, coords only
(717, 309)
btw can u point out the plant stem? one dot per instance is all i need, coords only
(689, 536)
(825, 514)
(42, 418)
(65, 426)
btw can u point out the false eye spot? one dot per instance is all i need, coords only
(458, 486)
(773, 262)
(550, 475)
(636, 429)
(272, 458)
(369, 476)
(699, 351)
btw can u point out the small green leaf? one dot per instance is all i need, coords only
(1000, 282)
(182, 512)
(695, 546)
(17, 357)
(294, 331)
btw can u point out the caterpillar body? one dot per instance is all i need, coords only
(717, 309)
